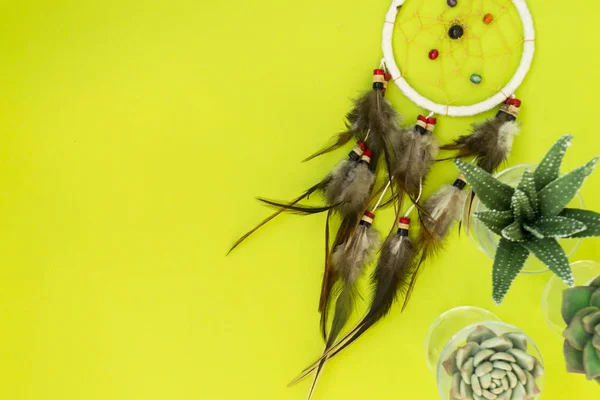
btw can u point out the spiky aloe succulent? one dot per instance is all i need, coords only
(492, 367)
(581, 312)
(531, 217)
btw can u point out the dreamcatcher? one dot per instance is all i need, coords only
(389, 164)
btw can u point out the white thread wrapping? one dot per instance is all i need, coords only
(460, 111)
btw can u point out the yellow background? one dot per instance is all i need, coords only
(133, 137)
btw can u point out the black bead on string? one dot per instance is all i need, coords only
(452, 3)
(456, 32)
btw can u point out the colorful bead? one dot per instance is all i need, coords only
(513, 102)
(452, 3)
(476, 79)
(456, 32)
(433, 54)
(488, 18)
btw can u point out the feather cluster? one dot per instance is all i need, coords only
(491, 141)
(408, 154)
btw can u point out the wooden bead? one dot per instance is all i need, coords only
(488, 18)
(433, 54)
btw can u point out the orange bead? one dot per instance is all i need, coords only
(488, 18)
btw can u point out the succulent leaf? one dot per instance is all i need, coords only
(559, 227)
(590, 322)
(549, 168)
(521, 207)
(596, 282)
(558, 193)
(509, 260)
(494, 220)
(514, 232)
(480, 334)
(534, 231)
(575, 333)
(518, 340)
(574, 299)
(552, 255)
(591, 361)
(527, 186)
(596, 338)
(573, 359)
(493, 193)
(595, 299)
(591, 220)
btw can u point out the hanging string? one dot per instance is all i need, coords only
(381, 197)
(411, 208)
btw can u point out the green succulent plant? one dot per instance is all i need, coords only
(581, 312)
(531, 217)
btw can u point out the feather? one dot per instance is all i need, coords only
(352, 191)
(342, 139)
(390, 278)
(305, 195)
(330, 277)
(339, 186)
(372, 120)
(414, 153)
(443, 209)
(491, 142)
(349, 260)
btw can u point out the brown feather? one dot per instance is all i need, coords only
(272, 216)
(390, 278)
(444, 208)
(490, 141)
(342, 139)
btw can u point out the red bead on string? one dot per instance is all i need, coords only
(433, 54)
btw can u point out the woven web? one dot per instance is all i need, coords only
(492, 51)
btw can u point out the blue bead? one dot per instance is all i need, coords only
(476, 79)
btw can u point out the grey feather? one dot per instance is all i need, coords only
(374, 116)
(443, 209)
(348, 260)
(414, 154)
(491, 142)
(351, 189)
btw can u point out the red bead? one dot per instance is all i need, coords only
(367, 153)
(431, 121)
(422, 118)
(405, 221)
(513, 102)
(387, 77)
(378, 72)
(433, 54)
(369, 214)
(488, 18)
(362, 145)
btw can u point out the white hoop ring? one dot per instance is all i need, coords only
(459, 111)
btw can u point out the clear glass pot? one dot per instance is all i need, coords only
(451, 330)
